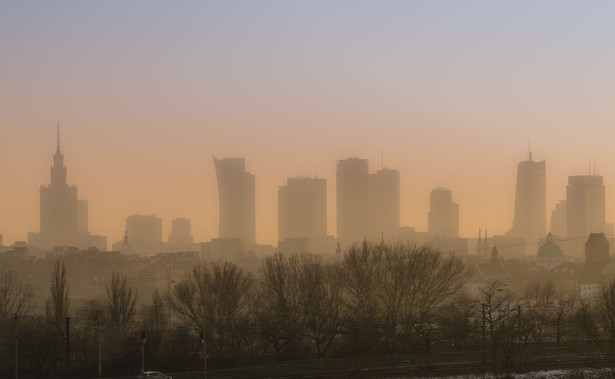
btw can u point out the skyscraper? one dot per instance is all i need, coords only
(63, 217)
(585, 211)
(352, 195)
(236, 193)
(302, 209)
(443, 213)
(558, 219)
(59, 205)
(530, 201)
(384, 203)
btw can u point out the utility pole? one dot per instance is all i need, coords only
(202, 337)
(99, 340)
(99, 357)
(67, 346)
(520, 335)
(483, 334)
(169, 306)
(143, 339)
(16, 348)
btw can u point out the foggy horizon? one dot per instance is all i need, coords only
(323, 188)
(117, 228)
(451, 93)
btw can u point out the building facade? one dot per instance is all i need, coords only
(63, 217)
(302, 209)
(352, 197)
(181, 231)
(143, 233)
(384, 195)
(237, 199)
(530, 201)
(443, 213)
(585, 206)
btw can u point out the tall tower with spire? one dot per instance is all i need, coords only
(63, 217)
(58, 205)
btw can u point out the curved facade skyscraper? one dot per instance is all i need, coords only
(236, 193)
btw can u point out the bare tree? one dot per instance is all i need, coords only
(279, 311)
(121, 305)
(392, 289)
(459, 320)
(15, 295)
(57, 305)
(320, 301)
(498, 305)
(362, 316)
(602, 329)
(434, 280)
(218, 299)
(539, 310)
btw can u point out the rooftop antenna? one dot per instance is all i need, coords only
(594, 165)
(529, 147)
(590, 168)
(381, 158)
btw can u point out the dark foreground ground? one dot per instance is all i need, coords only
(473, 363)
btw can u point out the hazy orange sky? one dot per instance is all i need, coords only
(146, 91)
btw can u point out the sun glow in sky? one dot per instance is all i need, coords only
(146, 91)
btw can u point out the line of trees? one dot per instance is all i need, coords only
(377, 300)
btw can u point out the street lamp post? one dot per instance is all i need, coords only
(169, 306)
(143, 340)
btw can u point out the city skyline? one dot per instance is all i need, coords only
(233, 176)
(449, 91)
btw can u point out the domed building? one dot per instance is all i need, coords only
(550, 255)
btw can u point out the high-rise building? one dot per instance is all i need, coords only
(180, 231)
(302, 209)
(63, 217)
(585, 211)
(530, 201)
(143, 232)
(384, 196)
(236, 193)
(558, 220)
(443, 213)
(352, 195)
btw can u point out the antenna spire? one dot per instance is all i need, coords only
(58, 136)
(381, 158)
(529, 148)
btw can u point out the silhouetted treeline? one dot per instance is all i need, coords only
(377, 299)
